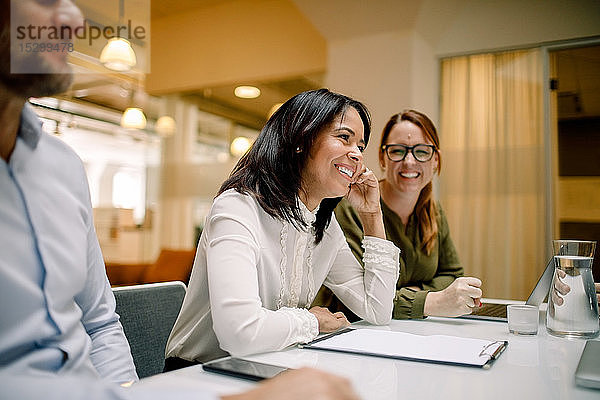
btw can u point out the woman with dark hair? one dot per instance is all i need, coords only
(270, 241)
(431, 281)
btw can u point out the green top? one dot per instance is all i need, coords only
(428, 272)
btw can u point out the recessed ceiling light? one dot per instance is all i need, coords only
(247, 92)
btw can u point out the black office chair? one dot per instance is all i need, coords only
(148, 313)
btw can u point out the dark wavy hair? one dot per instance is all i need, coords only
(425, 209)
(271, 170)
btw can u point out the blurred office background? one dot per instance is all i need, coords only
(513, 87)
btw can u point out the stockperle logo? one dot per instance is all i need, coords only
(79, 32)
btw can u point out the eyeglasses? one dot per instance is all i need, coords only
(397, 152)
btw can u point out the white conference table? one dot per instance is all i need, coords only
(531, 367)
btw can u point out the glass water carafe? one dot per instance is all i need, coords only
(572, 303)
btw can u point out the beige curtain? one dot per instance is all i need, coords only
(492, 180)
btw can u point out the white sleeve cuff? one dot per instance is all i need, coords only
(306, 323)
(380, 253)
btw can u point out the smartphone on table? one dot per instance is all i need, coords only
(241, 368)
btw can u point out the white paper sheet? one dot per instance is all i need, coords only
(436, 348)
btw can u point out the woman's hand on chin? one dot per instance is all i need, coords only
(364, 197)
(364, 191)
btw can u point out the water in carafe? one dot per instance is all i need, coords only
(577, 316)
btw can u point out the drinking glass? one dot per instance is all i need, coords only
(522, 319)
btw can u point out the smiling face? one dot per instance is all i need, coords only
(408, 175)
(335, 157)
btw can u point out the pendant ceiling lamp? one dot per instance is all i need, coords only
(165, 126)
(117, 54)
(133, 118)
(239, 146)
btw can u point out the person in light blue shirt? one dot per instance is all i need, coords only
(60, 337)
(57, 312)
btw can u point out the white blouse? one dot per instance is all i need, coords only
(254, 277)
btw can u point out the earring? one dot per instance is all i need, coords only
(298, 149)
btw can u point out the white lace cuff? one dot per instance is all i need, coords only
(307, 325)
(380, 253)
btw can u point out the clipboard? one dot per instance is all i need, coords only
(436, 349)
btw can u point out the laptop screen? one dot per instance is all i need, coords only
(542, 287)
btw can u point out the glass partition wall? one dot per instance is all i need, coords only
(134, 183)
